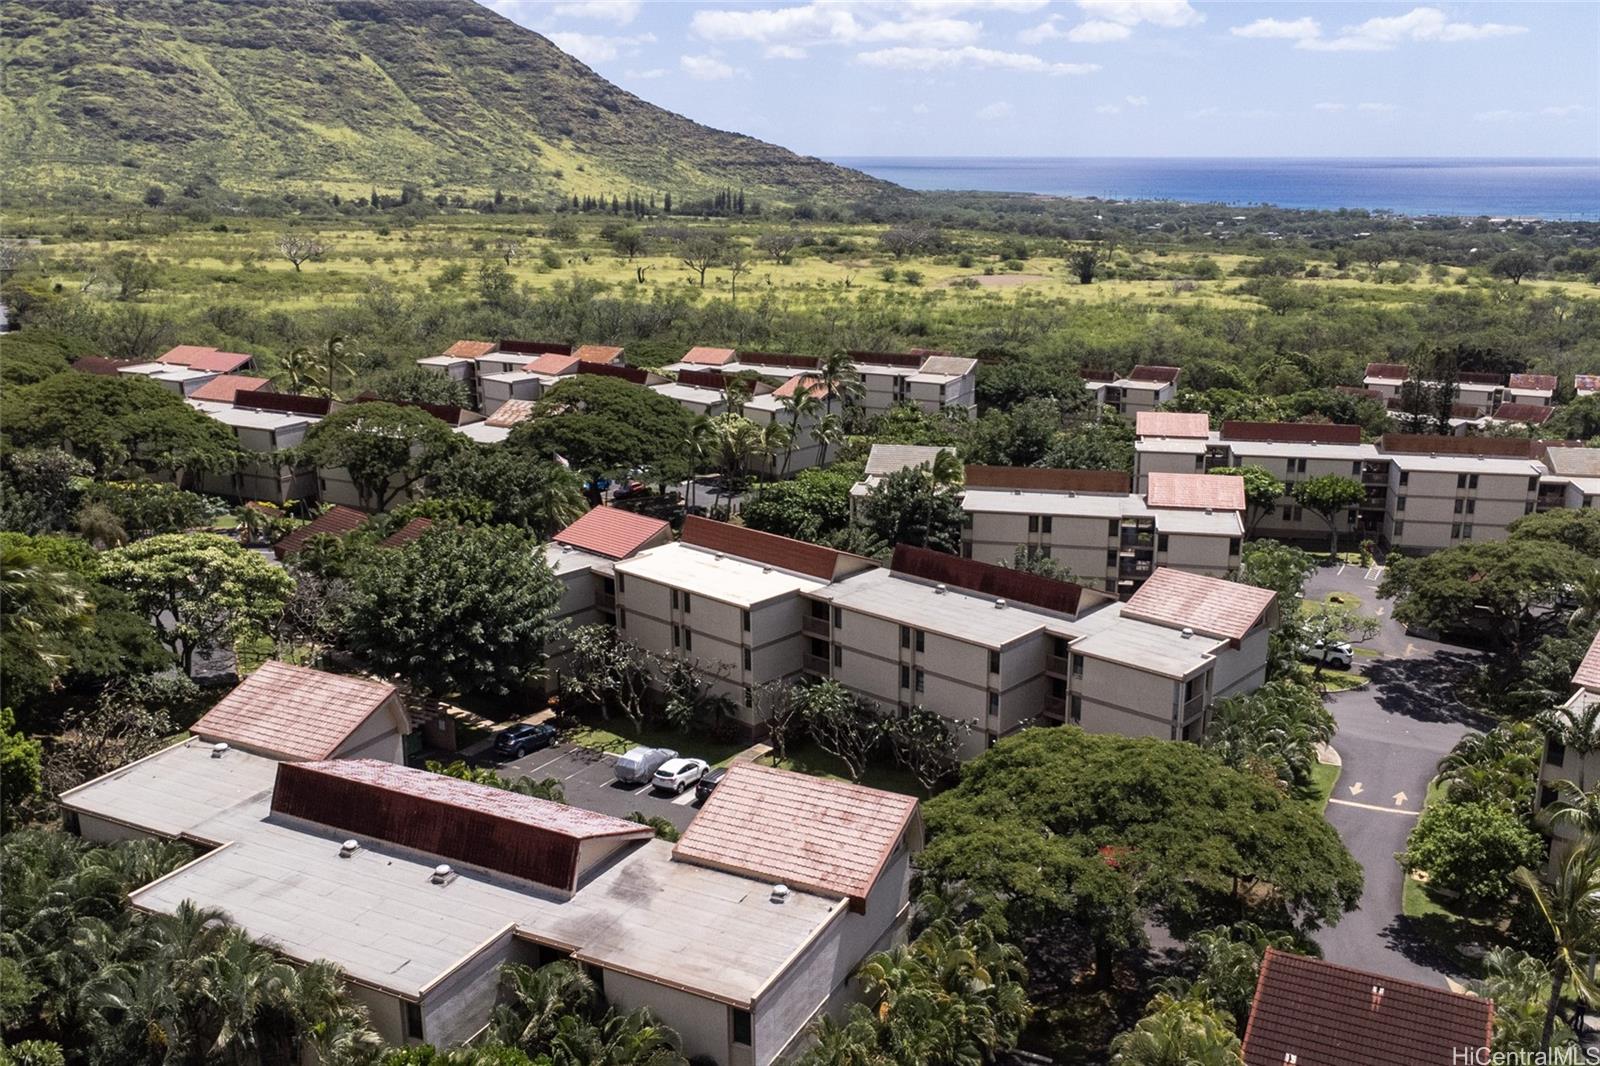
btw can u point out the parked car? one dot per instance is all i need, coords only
(708, 783)
(631, 490)
(639, 764)
(675, 775)
(1336, 654)
(518, 740)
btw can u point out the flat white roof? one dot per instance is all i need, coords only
(564, 559)
(1305, 450)
(484, 433)
(249, 417)
(1176, 445)
(958, 613)
(1090, 505)
(696, 394)
(1465, 464)
(1146, 646)
(378, 916)
(720, 577)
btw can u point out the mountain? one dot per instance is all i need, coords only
(347, 94)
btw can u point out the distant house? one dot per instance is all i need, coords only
(1575, 763)
(210, 360)
(335, 521)
(1308, 1012)
(1144, 388)
(284, 711)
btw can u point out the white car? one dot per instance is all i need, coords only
(1337, 654)
(675, 775)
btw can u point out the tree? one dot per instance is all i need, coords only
(781, 712)
(1470, 849)
(1226, 963)
(1328, 622)
(1514, 265)
(1178, 1031)
(1105, 443)
(700, 251)
(629, 241)
(507, 249)
(1578, 529)
(1500, 587)
(1028, 561)
(19, 768)
(413, 384)
(909, 507)
(42, 605)
(301, 248)
(542, 497)
(1274, 731)
(202, 590)
(1086, 260)
(1072, 839)
(1261, 492)
(607, 672)
(459, 609)
(926, 743)
(40, 489)
(133, 274)
(1330, 496)
(606, 426)
(840, 380)
(548, 788)
(737, 260)
(1495, 767)
(1518, 983)
(143, 508)
(385, 448)
(843, 724)
(1569, 904)
(779, 245)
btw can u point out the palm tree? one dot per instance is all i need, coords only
(801, 403)
(299, 370)
(736, 439)
(828, 430)
(1178, 1032)
(837, 374)
(1577, 729)
(41, 606)
(697, 444)
(336, 361)
(557, 498)
(1570, 906)
(535, 1000)
(853, 1042)
(775, 437)
(1576, 808)
(1517, 983)
(948, 471)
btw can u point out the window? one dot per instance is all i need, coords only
(1116, 527)
(749, 697)
(921, 639)
(1234, 545)
(1288, 512)
(1472, 482)
(1355, 468)
(674, 599)
(744, 620)
(1472, 506)
(1058, 688)
(1533, 484)
(994, 703)
(1075, 708)
(838, 618)
(1046, 522)
(819, 648)
(1461, 481)
(677, 638)
(1195, 687)
(1161, 542)
(747, 658)
(905, 636)
(1033, 523)
(1300, 466)
(1460, 504)
(609, 585)
(994, 662)
(838, 655)
(1555, 752)
(1466, 531)
(413, 1020)
(1044, 551)
(819, 610)
(1111, 557)
(1455, 531)
(685, 603)
(741, 1027)
(905, 676)
(622, 618)
(919, 680)
(1399, 503)
(1399, 528)
(1405, 477)
(1077, 666)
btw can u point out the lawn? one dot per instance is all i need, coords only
(1323, 780)
(1443, 921)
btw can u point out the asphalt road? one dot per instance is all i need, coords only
(586, 777)
(1391, 735)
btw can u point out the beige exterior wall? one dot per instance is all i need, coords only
(459, 1005)
(334, 486)
(492, 394)
(1429, 518)
(1288, 520)
(1146, 462)
(376, 738)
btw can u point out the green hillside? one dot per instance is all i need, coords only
(342, 95)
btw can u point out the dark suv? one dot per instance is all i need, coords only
(517, 741)
(708, 784)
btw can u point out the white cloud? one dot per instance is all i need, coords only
(594, 48)
(1166, 13)
(1048, 30)
(784, 51)
(1377, 34)
(620, 12)
(1380, 109)
(823, 23)
(997, 110)
(705, 68)
(1329, 105)
(1563, 110)
(928, 59)
(1280, 29)
(1097, 31)
(1137, 101)
(1505, 114)
(956, 7)
(646, 75)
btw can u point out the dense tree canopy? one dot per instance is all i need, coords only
(813, 505)
(607, 426)
(386, 448)
(520, 489)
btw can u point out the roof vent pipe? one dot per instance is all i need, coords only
(441, 874)
(1187, 632)
(780, 892)
(219, 749)
(349, 848)
(1000, 605)
(939, 590)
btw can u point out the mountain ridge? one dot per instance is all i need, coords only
(345, 94)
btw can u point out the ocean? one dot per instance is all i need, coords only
(1520, 188)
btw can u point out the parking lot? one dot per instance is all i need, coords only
(586, 777)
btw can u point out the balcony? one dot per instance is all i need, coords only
(1375, 477)
(816, 627)
(1133, 537)
(815, 664)
(1054, 708)
(605, 600)
(1192, 708)
(1135, 567)
(1059, 665)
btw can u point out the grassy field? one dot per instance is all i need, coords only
(1323, 781)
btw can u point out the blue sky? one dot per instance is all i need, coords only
(1106, 77)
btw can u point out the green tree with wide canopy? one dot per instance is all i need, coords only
(386, 448)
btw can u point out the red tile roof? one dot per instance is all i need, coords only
(295, 712)
(469, 349)
(406, 533)
(810, 833)
(1047, 479)
(1531, 414)
(1218, 492)
(490, 828)
(1532, 383)
(197, 358)
(799, 381)
(708, 356)
(223, 387)
(598, 353)
(1388, 371)
(551, 363)
(782, 552)
(1163, 374)
(510, 413)
(1586, 382)
(1207, 605)
(1588, 673)
(1196, 424)
(1292, 432)
(336, 521)
(98, 364)
(1315, 1013)
(613, 532)
(998, 581)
